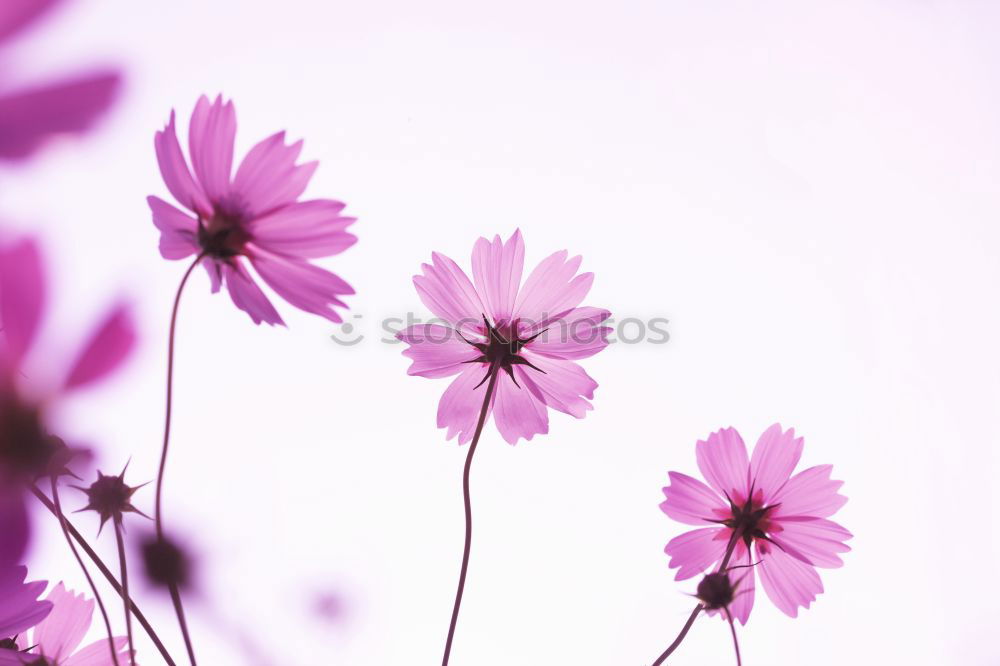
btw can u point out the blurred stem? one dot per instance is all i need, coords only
(123, 566)
(494, 371)
(736, 643)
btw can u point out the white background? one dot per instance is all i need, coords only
(808, 193)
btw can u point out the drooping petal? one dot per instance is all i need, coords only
(174, 169)
(29, 117)
(20, 608)
(214, 269)
(816, 541)
(572, 335)
(741, 573)
(61, 632)
(691, 502)
(462, 403)
(97, 653)
(247, 296)
(788, 582)
(307, 229)
(268, 179)
(211, 137)
(722, 459)
(16, 15)
(561, 385)
(774, 458)
(178, 230)
(303, 285)
(436, 351)
(696, 551)
(552, 288)
(22, 298)
(518, 413)
(446, 290)
(811, 492)
(496, 268)
(108, 347)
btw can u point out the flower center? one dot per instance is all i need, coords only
(749, 518)
(502, 349)
(26, 449)
(223, 235)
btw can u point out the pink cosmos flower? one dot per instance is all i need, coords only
(20, 608)
(33, 114)
(56, 638)
(780, 516)
(253, 217)
(29, 447)
(531, 334)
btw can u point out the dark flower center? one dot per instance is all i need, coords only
(222, 236)
(26, 449)
(749, 519)
(502, 349)
(166, 564)
(716, 590)
(8, 644)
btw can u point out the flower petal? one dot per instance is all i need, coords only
(518, 413)
(306, 229)
(176, 175)
(20, 608)
(561, 385)
(811, 493)
(178, 230)
(461, 403)
(446, 290)
(108, 347)
(722, 459)
(29, 117)
(247, 296)
(268, 178)
(97, 653)
(744, 579)
(691, 502)
(816, 541)
(436, 351)
(788, 582)
(496, 268)
(574, 334)
(61, 632)
(552, 288)
(14, 524)
(211, 136)
(16, 15)
(774, 458)
(696, 551)
(303, 285)
(22, 298)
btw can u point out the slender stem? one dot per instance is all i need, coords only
(494, 371)
(175, 593)
(736, 643)
(83, 567)
(96, 559)
(123, 566)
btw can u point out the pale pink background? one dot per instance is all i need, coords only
(808, 192)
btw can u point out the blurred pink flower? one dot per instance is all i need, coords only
(56, 638)
(31, 115)
(28, 447)
(20, 608)
(255, 214)
(783, 517)
(530, 333)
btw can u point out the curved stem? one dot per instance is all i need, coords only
(736, 643)
(123, 566)
(175, 593)
(96, 559)
(83, 567)
(494, 371)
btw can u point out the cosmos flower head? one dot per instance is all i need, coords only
(529, 335)
(777, 522)
(166, 562)
(253, 218)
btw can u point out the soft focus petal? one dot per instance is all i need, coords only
(552, 288)
(268, 178)
(774, 458)
(247, 296)
(461, 403)
(303, 285)
(16, 15)
(22, 298)
(561, 385)
(211, 137)
(496, 268)
(788, 582)
(28, 118)
(178, 230)
(518, 413)
(696, 551)
(107, 348)
(816, 541)
(691, 502)
(744, 578)
(98, 654)
(175, 171)
(20, 608)
(61, 632)
(436, 351)
(307, 229)
(811, 492)
(214, 269)
(446, 290)
(14, 524)
(572, 335)
(722, 459)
